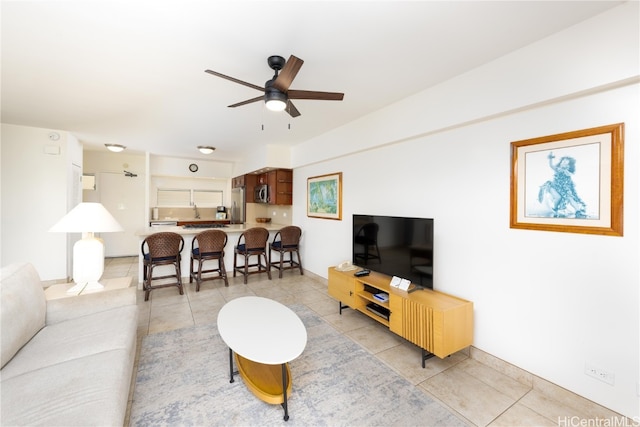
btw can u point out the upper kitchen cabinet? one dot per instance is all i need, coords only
(238, 181)
(280, 183)
(247, 181)
(250, 182)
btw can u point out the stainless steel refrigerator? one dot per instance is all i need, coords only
(237, 209)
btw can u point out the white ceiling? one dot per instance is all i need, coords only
(132, 72)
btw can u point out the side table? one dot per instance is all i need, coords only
(265, 335)
(60, 290)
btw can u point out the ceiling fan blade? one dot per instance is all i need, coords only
(248, 101)
(215, 73)
(291, 109)
(288, 73)
(310, 94)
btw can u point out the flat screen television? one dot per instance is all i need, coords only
(395, 246)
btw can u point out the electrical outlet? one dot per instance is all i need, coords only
(599, 374)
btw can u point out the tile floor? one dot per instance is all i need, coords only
(479, 388)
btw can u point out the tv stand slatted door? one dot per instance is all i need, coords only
(440, 324)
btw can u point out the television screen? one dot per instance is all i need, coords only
(395, 246)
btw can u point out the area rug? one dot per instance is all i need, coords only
(183, 380)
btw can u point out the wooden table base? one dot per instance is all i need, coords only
(266, 382)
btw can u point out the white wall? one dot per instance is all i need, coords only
(173, 166)
(166, 172)
(36, 193)
(270, 155)
(547, 302)
(122, 196)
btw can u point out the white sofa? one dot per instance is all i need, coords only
(68, 361)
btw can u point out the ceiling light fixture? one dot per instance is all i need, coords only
(206, 149)
(275, 100)
(116, 148)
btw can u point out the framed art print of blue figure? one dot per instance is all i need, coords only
(559, 193)
(563, 182)
(569, 182)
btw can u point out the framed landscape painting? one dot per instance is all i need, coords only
(324, 196)
(569, 182)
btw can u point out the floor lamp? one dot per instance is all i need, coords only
(88, 252)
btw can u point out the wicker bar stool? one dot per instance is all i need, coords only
(287, 240)
(208, 246)
(253, 242)
(162, 248)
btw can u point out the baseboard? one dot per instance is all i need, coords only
(559, 394)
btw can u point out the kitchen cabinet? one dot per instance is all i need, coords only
(250, 182)
(247, 181)
(280, 183)
(238, 181)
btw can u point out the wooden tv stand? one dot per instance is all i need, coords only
(440, 324)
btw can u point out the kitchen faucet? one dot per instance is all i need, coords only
(195, 208)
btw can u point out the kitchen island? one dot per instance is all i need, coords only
(233, 232)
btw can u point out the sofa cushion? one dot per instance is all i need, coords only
(91, 391)
(23, 307)
(76, 338)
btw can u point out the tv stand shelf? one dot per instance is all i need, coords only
(440, 324)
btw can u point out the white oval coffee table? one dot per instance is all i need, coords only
(265, 335)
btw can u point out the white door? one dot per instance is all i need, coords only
(124, 198)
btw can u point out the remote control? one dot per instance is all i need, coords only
(363, 272)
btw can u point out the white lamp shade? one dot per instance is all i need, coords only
(87, 218)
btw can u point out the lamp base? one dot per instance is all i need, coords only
(88, 262)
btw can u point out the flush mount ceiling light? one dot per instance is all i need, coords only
(116, 148)
(206, 149)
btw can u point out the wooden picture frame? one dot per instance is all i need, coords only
(324, 196)
(569, 182)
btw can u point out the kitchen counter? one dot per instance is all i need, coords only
(202, 219)
(229, 229)
(233, 232)
(182, 221)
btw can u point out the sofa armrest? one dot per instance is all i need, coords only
(62, 309)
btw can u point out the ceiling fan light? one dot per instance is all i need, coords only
(116, 148)
(275, 100)
(206, 149)
(276, 105)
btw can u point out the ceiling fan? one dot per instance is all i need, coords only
(277, 96)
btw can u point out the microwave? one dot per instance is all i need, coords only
(261, 193)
